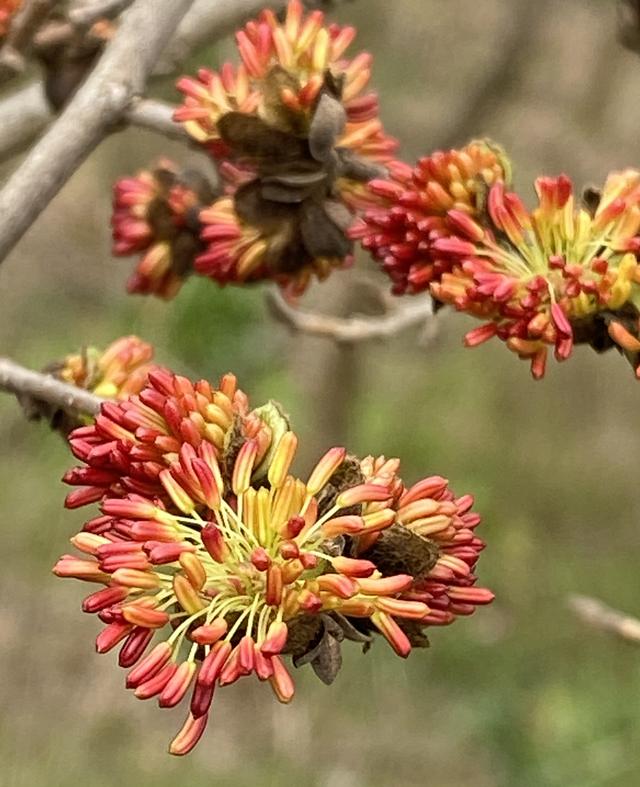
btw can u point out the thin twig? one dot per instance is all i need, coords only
(350, 330)
(29, 108)
(119, 77)
(20, 381)
(156, 116)
(85, 14)
(601, 616)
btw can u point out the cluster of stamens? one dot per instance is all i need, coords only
(207, 540)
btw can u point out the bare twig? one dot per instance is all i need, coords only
(28, 108)
(350, 330)
(20, 381)
(601, 616)
(23, 28)
(84, 14)
(155, 116)
(119, 77)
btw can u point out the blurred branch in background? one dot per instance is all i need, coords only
(86, 12)
(23, 382)
(512, 59)
(207, 22)
(598, 615)
(350, 330)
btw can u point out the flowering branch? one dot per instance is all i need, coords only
(168, 553)
(20, 381)
(597, 614)
(101, 102)
(350, 330)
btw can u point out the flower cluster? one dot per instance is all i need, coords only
(155, 213)
(209, 543)
(287, 70)
(406, 214)
(552, 276)
(295, 134)
(8, 9)
(565, 272)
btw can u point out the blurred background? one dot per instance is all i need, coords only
(521, 694)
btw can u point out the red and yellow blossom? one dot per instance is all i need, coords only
(548, 277)
(208, 543)
(406, 214)
(155, 213)
(133, 440)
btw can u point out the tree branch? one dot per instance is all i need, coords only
(500, 77)
(120, 76)
(28, 109)
(20, 381)
(350, 330)
(597, 614)
(156, 116)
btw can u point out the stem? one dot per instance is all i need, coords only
(23, 382)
